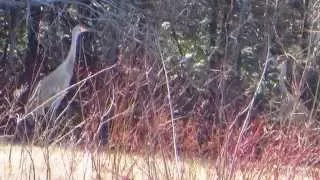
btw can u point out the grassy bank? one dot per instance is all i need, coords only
(30, 162)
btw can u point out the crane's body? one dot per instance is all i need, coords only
(50, 87)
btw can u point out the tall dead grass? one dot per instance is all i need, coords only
(131, 99)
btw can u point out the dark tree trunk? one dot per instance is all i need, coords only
(213, 25)
(145, 6)
(31, 59)
(87, 55)
(10, 28)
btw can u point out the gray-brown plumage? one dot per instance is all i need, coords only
(56, 82)
(50, 90)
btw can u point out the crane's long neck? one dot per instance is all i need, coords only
(282, 78)
(71, 57)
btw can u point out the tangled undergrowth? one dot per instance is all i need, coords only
(131, 99)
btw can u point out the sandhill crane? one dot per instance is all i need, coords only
(50, 90)
(295, 102)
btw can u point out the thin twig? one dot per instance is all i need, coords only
(171, 113)
(250, 106)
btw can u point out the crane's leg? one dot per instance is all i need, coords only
(24, 130)
(53, 120)
(103, 131)
(103, 134)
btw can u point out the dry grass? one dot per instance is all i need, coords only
(30, 162)
(24, 162)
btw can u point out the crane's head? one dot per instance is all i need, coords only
(78, 29)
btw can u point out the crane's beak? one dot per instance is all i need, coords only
(83, 29)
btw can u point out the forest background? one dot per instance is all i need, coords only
(200, 77)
